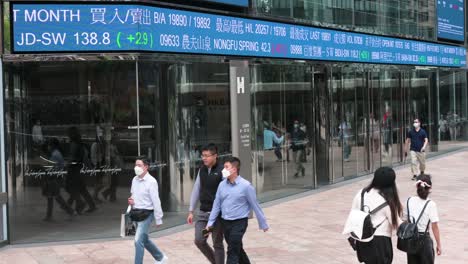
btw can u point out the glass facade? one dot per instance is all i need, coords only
(411, 18)
(312, 123)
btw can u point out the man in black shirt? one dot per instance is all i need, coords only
(204, 190)
(417, 141)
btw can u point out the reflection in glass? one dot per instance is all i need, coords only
(281, 108)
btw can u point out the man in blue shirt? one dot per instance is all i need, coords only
(417, 141)
(235, 198)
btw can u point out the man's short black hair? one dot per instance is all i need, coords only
(144, 159)
(235, 162)
(212, 148)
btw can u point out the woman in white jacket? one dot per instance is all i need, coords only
(382, 189)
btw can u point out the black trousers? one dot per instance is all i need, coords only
(378, 251)
(234, 231)
(61, 202)
(427, 254)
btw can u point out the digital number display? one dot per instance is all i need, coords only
(243, 3)
(450, 17)
(109, 27)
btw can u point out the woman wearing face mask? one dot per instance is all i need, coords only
(416, 143)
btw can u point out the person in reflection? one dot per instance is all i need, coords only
(37, 136)
(298, 144)
(145, 196)
(345, 134)
(51, 187)
(387, 131)
(374, 132)
(272, 140)
(208, 178)
(98, 160)
(116, 163)
(235, 198)
(416, 143)
(75, 182)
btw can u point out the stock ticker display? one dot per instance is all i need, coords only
(42, 28)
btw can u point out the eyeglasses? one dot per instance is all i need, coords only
(206, 156)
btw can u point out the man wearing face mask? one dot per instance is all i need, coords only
(417, 141)
(145, 198)
(208, 178)
(235, 198)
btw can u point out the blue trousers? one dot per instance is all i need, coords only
(142, 241)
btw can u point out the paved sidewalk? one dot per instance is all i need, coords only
(305, 230)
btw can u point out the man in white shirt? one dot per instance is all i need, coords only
(145, 195)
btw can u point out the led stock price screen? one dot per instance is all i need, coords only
(450, 17)
(107, 28)
(243, 3)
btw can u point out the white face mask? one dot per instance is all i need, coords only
(225, 173)
(416, 125)
(138, 171)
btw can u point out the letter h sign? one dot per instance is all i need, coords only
(240, 85)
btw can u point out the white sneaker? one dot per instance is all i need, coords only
(164, 260)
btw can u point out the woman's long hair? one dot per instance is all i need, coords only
(390, 193)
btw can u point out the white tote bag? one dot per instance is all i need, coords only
(126, 225)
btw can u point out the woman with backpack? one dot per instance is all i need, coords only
(427, 210)
(382, 202)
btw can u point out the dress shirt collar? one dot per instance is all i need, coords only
(236, 181)
(144, 177)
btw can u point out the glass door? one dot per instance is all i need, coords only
(3, 193)
(282, 117)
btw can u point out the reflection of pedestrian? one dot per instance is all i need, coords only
(387, 130)
(452, 119)
(98, 160)
(75, 182)
(51, 187)
(345, 134)
(417, 141)
(116, 163)
(37, 136)
(375, 133)
(272, 141)
(204, 191)
(298, 144)
(235, 198)
(443, 128)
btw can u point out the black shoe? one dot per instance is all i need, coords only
(106, 194)
(296, 174)
(414, 177)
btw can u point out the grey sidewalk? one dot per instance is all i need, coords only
(304, 230)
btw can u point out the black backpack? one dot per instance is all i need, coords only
(409, 238)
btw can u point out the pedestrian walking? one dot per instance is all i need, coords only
(206, 184)
(146, 208)
(421, 205)
(298, 144)
(381, 191)
(235, 198)
(416, 142)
